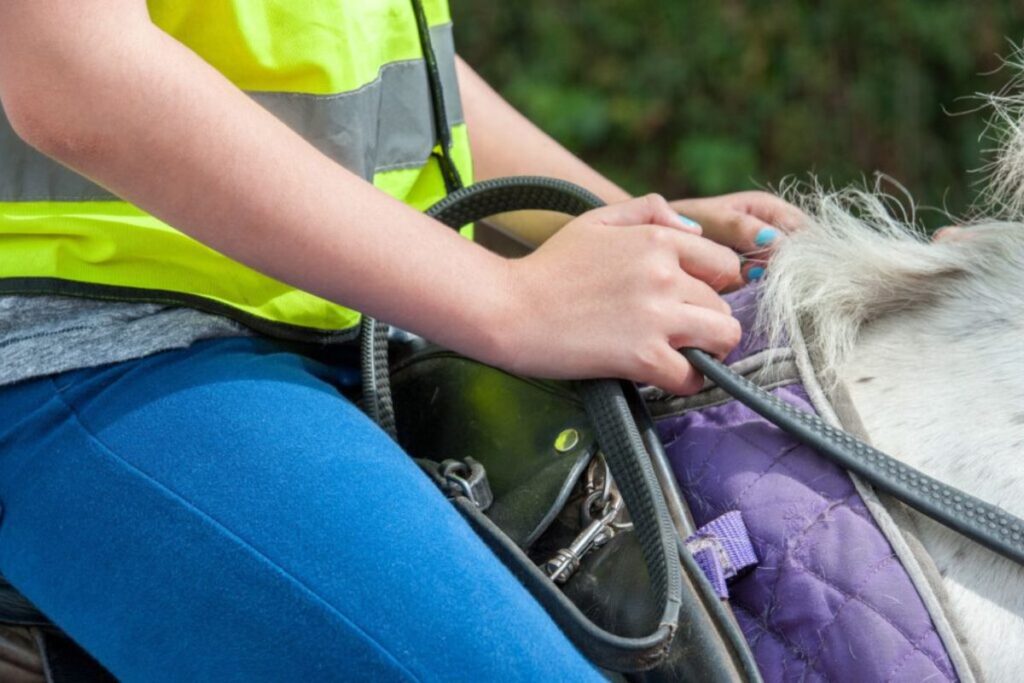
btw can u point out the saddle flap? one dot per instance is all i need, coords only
(483, 411)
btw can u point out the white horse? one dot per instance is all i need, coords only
(927, 341)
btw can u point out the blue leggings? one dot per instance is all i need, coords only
(223, 513)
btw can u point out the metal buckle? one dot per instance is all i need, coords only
(467, 478)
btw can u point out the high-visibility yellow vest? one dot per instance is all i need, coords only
(348, 75)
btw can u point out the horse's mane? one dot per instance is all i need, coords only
(1003, 193)
(857, 260)
(928, 338)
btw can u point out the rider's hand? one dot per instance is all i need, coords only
(751, 223)
(615, 292)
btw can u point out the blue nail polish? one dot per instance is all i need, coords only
(765, 236)
(755, 273)
(689, 222)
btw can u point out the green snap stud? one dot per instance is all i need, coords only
(567, 440)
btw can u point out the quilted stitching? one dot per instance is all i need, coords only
(829, 600)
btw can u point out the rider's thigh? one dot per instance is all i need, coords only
(223, 513)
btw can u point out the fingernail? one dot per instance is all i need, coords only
(755, 273)
(689, 222)
(765, 236)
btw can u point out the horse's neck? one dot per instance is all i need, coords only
(943, 390)
(949, 404)
(936, 372)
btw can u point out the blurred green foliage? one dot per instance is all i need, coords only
(697, 97)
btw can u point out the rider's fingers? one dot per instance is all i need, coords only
(754, 270)
(703, 259)
(751, 236)
(776, 211)
(699, 293)
(698, 327)
(705, 329)
(650, 209)
(666, 369)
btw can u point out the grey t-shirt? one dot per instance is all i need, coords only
(42, 335)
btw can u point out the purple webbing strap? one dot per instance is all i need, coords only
(722, 549)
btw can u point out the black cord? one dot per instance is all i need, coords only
(442, 126)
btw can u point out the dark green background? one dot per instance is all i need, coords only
(697, 97)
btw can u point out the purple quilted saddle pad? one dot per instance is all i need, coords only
(828, 600)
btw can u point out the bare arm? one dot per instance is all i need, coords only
(130, 107)
(94, 84)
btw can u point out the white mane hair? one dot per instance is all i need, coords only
(929, 340)
(1004, 193)
(856, 262)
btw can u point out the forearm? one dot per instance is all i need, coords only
(126, 105)
(506, 143)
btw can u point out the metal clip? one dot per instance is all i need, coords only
(467, 478)
(594, 535)
(599, 481)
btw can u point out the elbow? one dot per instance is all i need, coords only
(27, 118)
(62, 84)
(52, 127)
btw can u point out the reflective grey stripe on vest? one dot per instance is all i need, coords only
(384, 125)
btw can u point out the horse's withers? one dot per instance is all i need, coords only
(831, 598)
